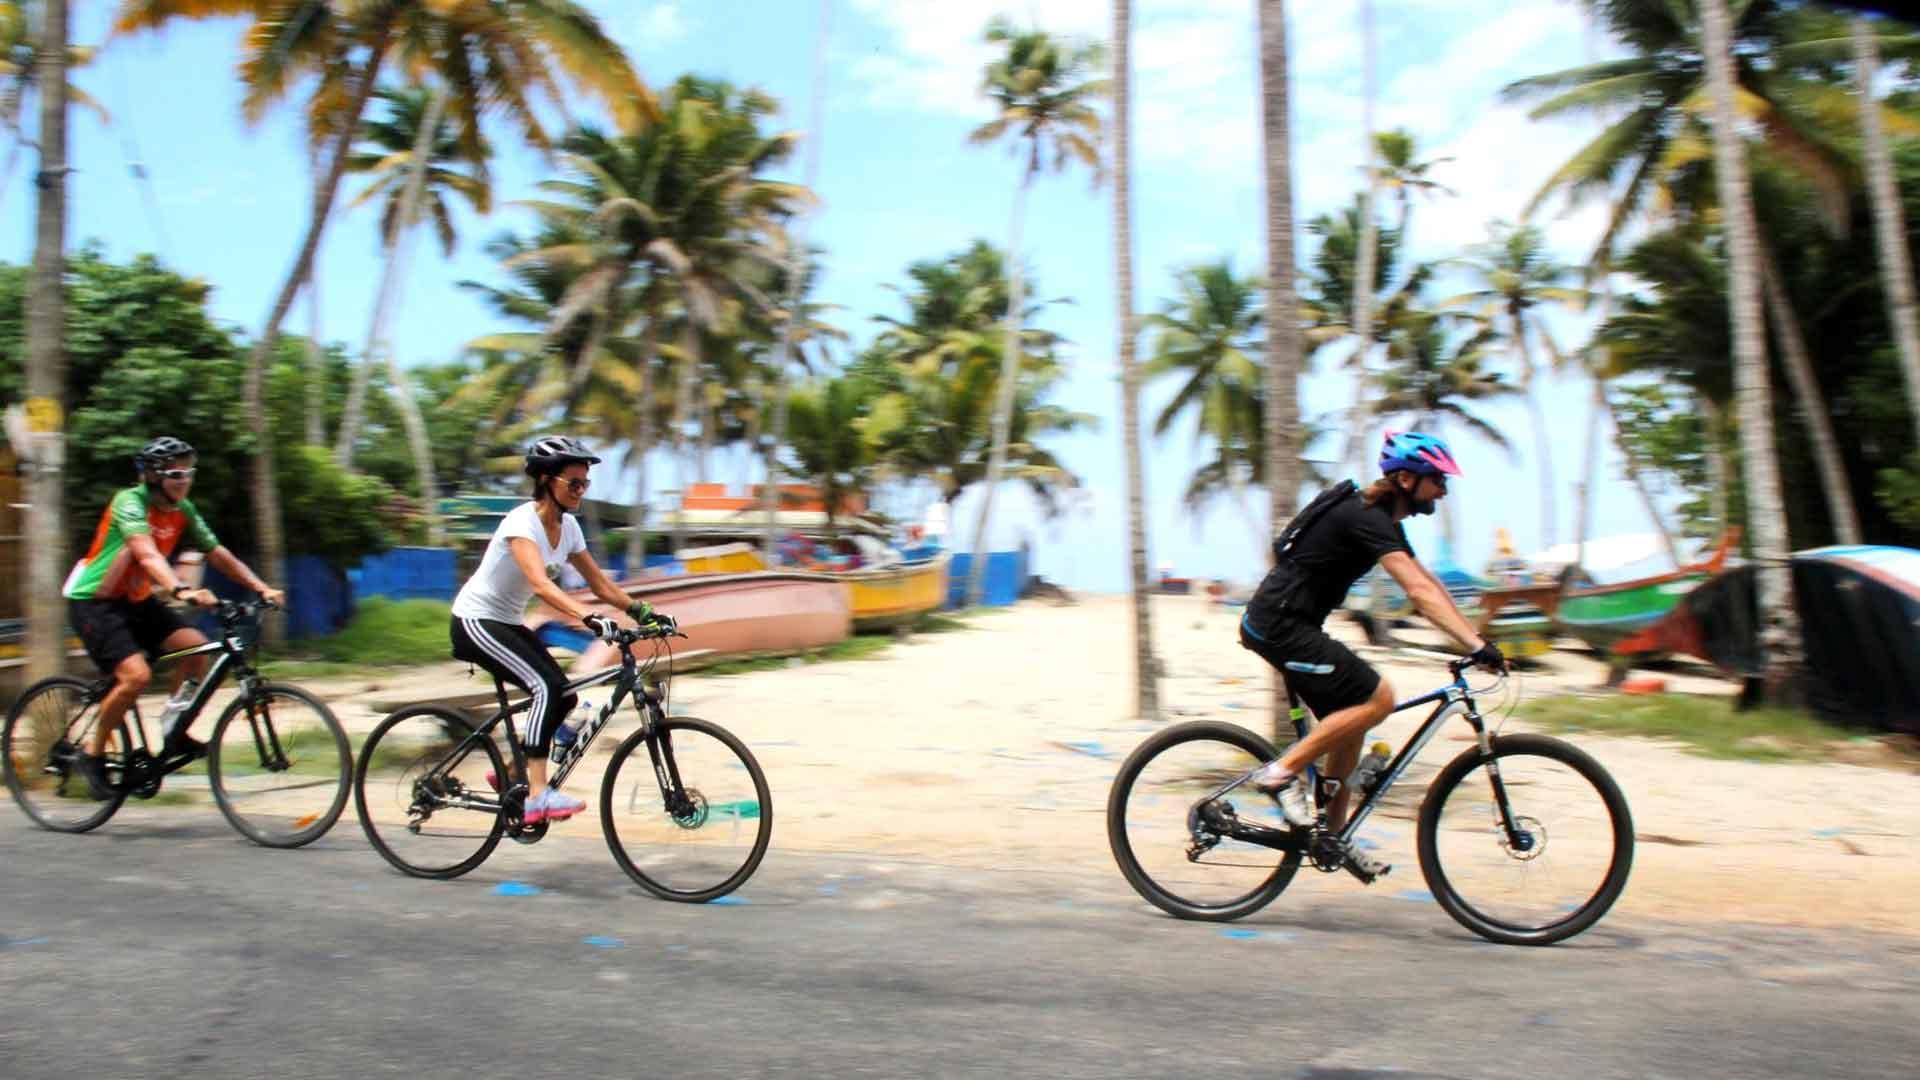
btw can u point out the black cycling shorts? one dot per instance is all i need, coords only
(115, 629)
(1319, 670)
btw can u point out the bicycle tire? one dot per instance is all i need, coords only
(306, 825)
(1574, 918)
(371, 764)
(16, 754)
(1253, 750)
(691, 824)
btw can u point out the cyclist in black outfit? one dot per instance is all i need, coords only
(1340, 536)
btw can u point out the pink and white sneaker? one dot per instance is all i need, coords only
(550, 805)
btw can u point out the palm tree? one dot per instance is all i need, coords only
(1779, 633)
(491, 54)
(1436, 368)
(1517, 275)
(1890, 226)
(1369, 222)
(1401, 171)
(937, 376)
(1209, 338)
(415, 160)
(1146, 697)
(1044, 93)
(1282, 316)
(827, 439)
(46, 356)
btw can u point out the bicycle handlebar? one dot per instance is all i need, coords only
(235, 610)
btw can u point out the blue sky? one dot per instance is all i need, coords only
(899, 182)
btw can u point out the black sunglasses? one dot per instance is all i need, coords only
(575, 486)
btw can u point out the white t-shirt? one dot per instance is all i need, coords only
(498, 590)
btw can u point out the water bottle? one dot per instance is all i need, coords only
(1369, 770)
(570, 728)
(176, 705)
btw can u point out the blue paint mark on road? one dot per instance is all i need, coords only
(728, 901)
(1239, 935)
(516, 888)
(1417, 895)
(599, 941)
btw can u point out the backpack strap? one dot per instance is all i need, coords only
(1312, 512)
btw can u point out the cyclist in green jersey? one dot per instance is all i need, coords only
(111, 594)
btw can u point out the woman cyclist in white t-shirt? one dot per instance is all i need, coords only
(523, 560)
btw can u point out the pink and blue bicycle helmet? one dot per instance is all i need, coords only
(1420, 454)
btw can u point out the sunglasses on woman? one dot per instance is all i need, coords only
(576, 486)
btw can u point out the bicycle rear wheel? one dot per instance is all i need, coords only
(422, 793)
(1557, 871)
(701, 834)
(49, 723)
(280, 766)
(1169, 838)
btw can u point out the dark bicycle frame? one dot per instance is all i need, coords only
(1455, 693)
(626, 679)
(233, 657)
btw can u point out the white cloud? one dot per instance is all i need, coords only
(660, 24)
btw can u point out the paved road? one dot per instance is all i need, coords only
(165, 945)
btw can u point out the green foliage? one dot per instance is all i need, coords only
(144, 359)
(386, 631)
(1899, 491)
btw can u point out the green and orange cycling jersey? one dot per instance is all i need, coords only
(108, 571)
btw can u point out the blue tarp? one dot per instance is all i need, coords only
(1006, 576)
(406, 573)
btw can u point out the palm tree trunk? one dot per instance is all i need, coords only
(1004, 391)
(1363, 271)
(1812, 404)
(704, 396)
(316, 364)
(1282, 315)
(271, 556)
(1146, 682)
(642, 443)
(1779, 636)
(1630, 462)
(1718, 476)
(47, 360)
(1889, 220)
(386, 297)
(770, 494)
(1542, 438)
(682, 405)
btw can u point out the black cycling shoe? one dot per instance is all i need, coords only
(181, 744)
(93, 770)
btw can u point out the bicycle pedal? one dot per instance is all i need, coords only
(1365, 877)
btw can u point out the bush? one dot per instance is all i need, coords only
(385, 631)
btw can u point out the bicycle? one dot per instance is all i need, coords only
(278, 761)
(1481, 827)
(426, 786)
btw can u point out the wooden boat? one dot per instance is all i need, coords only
(724, 615)
(1608, 616)
(892, 596)
(1859, 609)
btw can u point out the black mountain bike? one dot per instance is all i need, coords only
(1524, 839)
(278, 762)
(684, 805)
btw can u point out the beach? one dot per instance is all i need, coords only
(992, 748)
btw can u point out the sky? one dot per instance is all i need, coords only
(899, 182)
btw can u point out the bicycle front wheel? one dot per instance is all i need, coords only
(421, 787)
(1170, 837)
(45, 728)
(280, 766)
(1545, 867)
(686, 810)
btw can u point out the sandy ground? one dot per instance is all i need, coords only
(994, 747)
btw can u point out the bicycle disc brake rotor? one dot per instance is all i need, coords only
(692, 811)
(1533, 839)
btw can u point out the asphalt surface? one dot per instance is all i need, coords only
(166, 945)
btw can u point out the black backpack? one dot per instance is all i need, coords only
(1312, 512)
